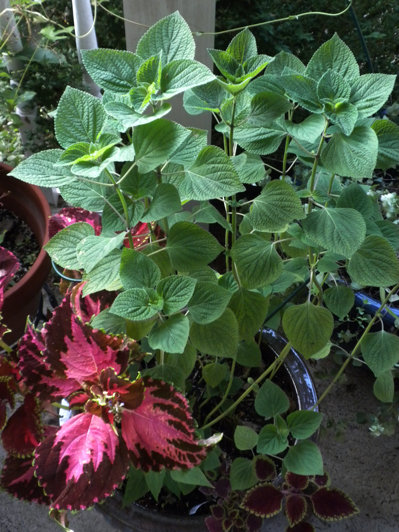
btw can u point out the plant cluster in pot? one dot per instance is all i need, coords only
(157, 352)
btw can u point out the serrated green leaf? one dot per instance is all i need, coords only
(208, 302)
(105, 275)
(333, 88)
(353, 155)
(155, 142)
(166, 201)
(176, 291)
(243, 46)
(256, 260)
(384, 387)
(245, 438)
(128, 117)
(374, 263)
(390, 231)
(259, 140)
(309, 130)
(138, 270)
(114, 70)
(109, 323)
(250, 309)
(265, 108)
(370, 91)
(249, 354)
(40, 169)
(304, 458)
(62, 247)
(308, 327)
(271, 400)
(275, 207)
(339, 300)
(303, 90)
(219, 338)
(388, 143)
(93, 248)
(214, 373)
(303, 423)
(181, 75)
(344, 115)
(226, 64)
(137, 304)
(339, 230)
(333, 54)
(193, 476)
(270, 441)
(208, 97)
(189, 246)
(354, 197)
(150, 70)
(170, 335)
(80, 117)
(172, 36)
(380, 351)
(283, 60)
(242, 474)
(249, 167)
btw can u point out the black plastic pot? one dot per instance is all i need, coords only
(138, 519)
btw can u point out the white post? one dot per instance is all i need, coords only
(86, 38)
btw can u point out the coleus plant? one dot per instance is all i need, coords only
(299, 235)
(9, 265)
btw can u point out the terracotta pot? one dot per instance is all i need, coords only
(22, 299)
(138, 519)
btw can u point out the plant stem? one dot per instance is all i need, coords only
(357, 346)
(4, 346)
(124, 206)
(316, 162)
(226, 393)
(270, 368)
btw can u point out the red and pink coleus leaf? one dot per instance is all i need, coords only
(331, 504)
(8, 267)
(82, 463)
(299, 482)
(295, 508)
(19, 480)
(24, 429)
(140, 235)
(71, 215)
(301, 527)
(264, 500)
(160, 432)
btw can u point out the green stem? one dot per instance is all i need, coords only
(357, 346)
(226, 393)
(316, 161)
(250, 388)
(5, 347)
(330, 184)
(124, 207)
(285, 156)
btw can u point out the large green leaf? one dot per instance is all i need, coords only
(150, 71)
(271, 441)
(156, 141)
(219, 338)
(243, 46)
(333, 88)
(170, 335)
(370, 91)
(105, 275)
(80, 117)
(183, 74)
(271, 400)
(388, 143)
(380, 351)
(339, 300)
(333, 54)
(249, 167)
(275, 207)
(304, 458)
(245, 437)
(128, 117)
(193, 476)
(259, 140)
(172, 36)
(384, 387)
(250, 309)
(353, 155)
(208, 302)
(138, 270)
(303, 90)
(265, 108)
(374, 263)
(354, 197)
(39, 169)
(344, 115)
(62, 247)
(137, 304)
(93, 248)
(256, 260)
(242, 474)
(207, 97)
(303, 423)
(309, 130)
(176, 291)
(189, 246)
(166, 201)
(114, 70)
(308, 327)
(285, 60)
(339, 230)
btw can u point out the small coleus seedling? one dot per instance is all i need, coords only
(117, 421)
(297, 494)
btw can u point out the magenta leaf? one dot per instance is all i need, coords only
(24, 429)
(331, 504)
(264, 500)
(160, 433)
(82, 463)
(265, 468)
(19, 480)
(140, 235)
(71, 215)
(299, 482)
(295, 508)
(301, 527)
(8, 267)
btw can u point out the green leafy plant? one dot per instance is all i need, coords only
(194, 303)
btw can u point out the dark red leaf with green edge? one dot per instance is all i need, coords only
(321, 480)
(331, 504)
(222, 487)
(265, 468)
(213, 524)
(253, 523)
(227, 524)
(19, 480)
(264, 500)
(82, 463)
(87, 307)
(8, 382)
(217, 511)
(301, 527)
(295, 508)
(9, 265)
(160, 432)
(299, 482)
(72, 215)
(32, 364)
(24, 429)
